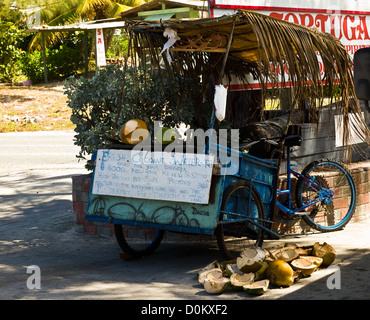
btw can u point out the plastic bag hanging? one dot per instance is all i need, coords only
(172, 38)
(220, 102)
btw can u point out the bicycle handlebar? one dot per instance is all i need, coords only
(270, 141)
(248, 145)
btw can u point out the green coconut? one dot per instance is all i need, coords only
(257, 288)
(280, 273)
(166, 135)
(324, 251)
(237, 280)
(251, 260)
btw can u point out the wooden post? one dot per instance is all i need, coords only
(44, 57)
(86, 53)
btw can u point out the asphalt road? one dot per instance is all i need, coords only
(37, 229)
(38, 150)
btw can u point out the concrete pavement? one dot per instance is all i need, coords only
(37, 229)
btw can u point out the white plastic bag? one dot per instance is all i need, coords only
(172, 38)
(220, 101)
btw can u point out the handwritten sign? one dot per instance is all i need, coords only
(182, 177)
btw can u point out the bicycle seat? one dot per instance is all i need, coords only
(293, 140)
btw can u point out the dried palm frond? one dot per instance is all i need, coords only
(261, 45)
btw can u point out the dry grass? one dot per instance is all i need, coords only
(34, 108)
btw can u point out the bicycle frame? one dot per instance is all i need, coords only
(324, 194)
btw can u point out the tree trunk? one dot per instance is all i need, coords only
(108, 34)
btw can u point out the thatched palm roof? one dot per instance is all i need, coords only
(258, 45)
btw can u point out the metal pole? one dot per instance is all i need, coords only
(120, 99)
(221, 75)
(213, 116)
(44, 57)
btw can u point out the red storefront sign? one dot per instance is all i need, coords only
(347, 20)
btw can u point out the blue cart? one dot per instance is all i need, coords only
(221, 192)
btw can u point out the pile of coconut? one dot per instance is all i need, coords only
(256, 268)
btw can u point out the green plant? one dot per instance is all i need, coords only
(118, 47)
(10, 39)
(95, 103)
(61, 62)
(32, 66)
(64, 61)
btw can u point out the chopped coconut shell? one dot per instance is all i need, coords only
(324, 251)
(212, 273)
(216, 285)
(286, 254)
(304, 266)
(214, 264)
(261, 273)
(250, 260)
(256, 268)
(257, 288)
(237, 281)
(316, 260)
(232, 268)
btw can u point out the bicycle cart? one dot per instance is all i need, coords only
(217, 190)
(144, 192)
(182, 192)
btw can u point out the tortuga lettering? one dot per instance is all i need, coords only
(348, 27)
(346, 20)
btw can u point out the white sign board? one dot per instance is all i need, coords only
(100, 49)
(181, 177)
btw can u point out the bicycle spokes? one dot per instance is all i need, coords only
(329, 195)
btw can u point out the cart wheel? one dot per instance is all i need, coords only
(139, 241)
(234, 237)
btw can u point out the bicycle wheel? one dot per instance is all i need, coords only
(332, 213)
(139, 241)
(239, 201)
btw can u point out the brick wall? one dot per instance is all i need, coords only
(81, 188)
(80, 197)
(362, 178)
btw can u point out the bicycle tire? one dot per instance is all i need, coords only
(148, 242)
(333, 215)
(232, 238)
